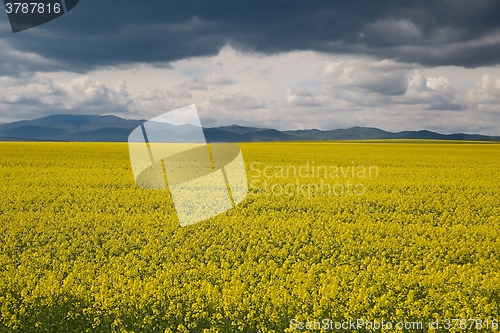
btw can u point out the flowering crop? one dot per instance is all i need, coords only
(83, 249)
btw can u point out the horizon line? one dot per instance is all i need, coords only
(264, 128)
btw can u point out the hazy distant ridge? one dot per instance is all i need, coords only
(81, 128)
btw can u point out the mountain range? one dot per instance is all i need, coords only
(85, 128)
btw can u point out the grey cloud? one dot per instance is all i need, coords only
(215, 78)
(178, 92)
(103, 33)
(201, 82)
(393, 32)
(237, 101)
(194, 85)
(303, 97)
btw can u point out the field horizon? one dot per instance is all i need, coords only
(110, 128)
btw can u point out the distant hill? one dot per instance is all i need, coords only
(82, 128)
(70, 128)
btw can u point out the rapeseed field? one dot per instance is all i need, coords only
(329, 233)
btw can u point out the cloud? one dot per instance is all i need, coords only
(201, 82)
(433, 93)
(368, 83)
(486, 90)
(485, 96)
(392, 32)
(216, 78)
(178, 92)
(330, 92)
(35, 96)
(194, 84)
(100, 33)
(16, 62)
(384, 77)
(85, 93)
(239, 101)
(303, 97)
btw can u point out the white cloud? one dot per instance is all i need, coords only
(294, 90)
(83, 92)
(486, 90)
(37, 96)
(432, 93)
(384, 77)
(440, 84)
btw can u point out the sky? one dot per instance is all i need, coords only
(393, 64)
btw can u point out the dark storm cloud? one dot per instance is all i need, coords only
(111, 33)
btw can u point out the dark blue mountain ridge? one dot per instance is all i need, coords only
(109, 128)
